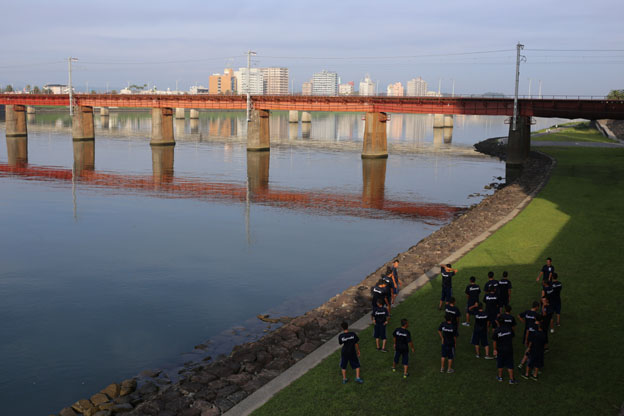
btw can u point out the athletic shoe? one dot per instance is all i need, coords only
(344, 380)
(465, 323)
(524, 376)
(477, 356)
(520, 365)
(489, 357)
(500, 379)
(552, 331)
(558, 324)
(533, 378)
(359, 380)
(384, 350)
(405, 375)
(378, 349)
(441, 370)
(450, 371)
(393, 370)
(513, 382)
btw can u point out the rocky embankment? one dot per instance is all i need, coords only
(212, 388)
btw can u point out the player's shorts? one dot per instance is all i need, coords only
(505, 360)
(379, 331)
(447, 293)
(473, 310)
(448, 351)
(557, 308)
(353, 360)
(503, 302)
(536, 360)
(404, 354)
(479, 337)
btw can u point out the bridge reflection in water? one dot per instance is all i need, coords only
(372, 203)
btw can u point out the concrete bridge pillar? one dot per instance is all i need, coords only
(375, 139)
(104, 112)
(306, 128)
(17, 150)
(447, 133)
(84, 156)
(162, 127)
(438, 120)
(374, 181)
(293, 131)
(194, 114)
(293, 116)
(519, 142)
(30, 110)
(162, 163)
(258, 132)
(179, 113)
(15, 121)
(179, 126)
(438, 137)
(448, 120)
(194, 125)
(258, 171)
(82, 123)
(306, 117)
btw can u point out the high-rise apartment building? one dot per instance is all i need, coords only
(325, 83)
(275, 80)
(346, 89)
(367, 86)
(395, 90)
(256, 81)
(416, 87)
(306, 88)
(222, 84)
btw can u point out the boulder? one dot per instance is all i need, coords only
(103, 413)
(82, 405)
(237, 397)
(224, 404)
(308, 347)
(112, 390)
(99, 398)
(263, 357)
(150, 373)
(239, 379)
(212, 411)
(127, 387)
(147, 388)
(68, 411)
(227, 390)
(122, 408)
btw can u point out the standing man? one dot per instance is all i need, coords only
(491, 306)
(491, 283)
(536, 351)
(447, 273)
(402, 343)
(350, 353)
(395, 274)
(380, 291)
(472, 299)
(480, 332)
(556, 297)
(546, 273)
(503, 350)
(528, 318)
(451, 309)
(448, 337)
(380, 319)
(504, 290)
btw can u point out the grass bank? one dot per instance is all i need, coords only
(577, 132)
(577, 220)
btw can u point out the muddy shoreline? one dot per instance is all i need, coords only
(212, 388)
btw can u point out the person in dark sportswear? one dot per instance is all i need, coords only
(350, 353)
(528, 318)
(504, 290)
(389, 280)
(395, 274)
(535, 351)
(380, 291)
(480, 333)
(556, 297)
(402, 344)
(451, 309)
(503, 351)
(447, 273)
(508, 317)
(547, 314)
(448, 338)
(472, 299)
(546, 273)
(379, 317)
(491, 305)
(491, 283)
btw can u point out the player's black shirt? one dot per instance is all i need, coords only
(503, 337)
(556, 296)
(348, 341)
(547, 271)
(380, 314)
(388, 280)
(448, 333)
(447, 278)
(454, 312)
(403, 338)
(538, 342)
(491, 303)
(529, 318)
(481, 320)
(510, 321)
(489, 284)
(473, 291)
(379, 292)
(504, 286)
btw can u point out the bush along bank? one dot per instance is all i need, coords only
(206, 389)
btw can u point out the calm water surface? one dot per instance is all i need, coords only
(116, 257)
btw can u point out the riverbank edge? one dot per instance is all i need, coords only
(214, 388)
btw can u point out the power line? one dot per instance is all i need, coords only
(384, 57)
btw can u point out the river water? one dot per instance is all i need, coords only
(116, 257)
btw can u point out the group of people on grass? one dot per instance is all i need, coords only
(492, 320)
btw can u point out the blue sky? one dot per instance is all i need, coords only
(161, 42)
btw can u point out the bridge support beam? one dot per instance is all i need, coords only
(293, 116)
(448, 120)
(194, 114)
(258, 132)
(162, 127)
(375, 140)
(31, 110)
(162, 164)
(104, 111)
(438, 120)
(258, 171)
(15, 117)
(17, 150)
(82, 124)
(84, 156)
(374, 181)
(306, 117)
(179, 113)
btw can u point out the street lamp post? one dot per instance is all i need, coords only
(71, 93)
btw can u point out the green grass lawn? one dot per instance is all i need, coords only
(577, 220)
(574, 132)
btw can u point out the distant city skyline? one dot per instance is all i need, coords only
(571, 47)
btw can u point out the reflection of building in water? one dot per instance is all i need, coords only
(179, 125)
(347, 126)
(416, 126)
(278, 125)
(324, 126)
(293, 131)
(222, 127)
(84, 156)
(395, 130)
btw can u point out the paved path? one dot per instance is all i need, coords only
(544, 143)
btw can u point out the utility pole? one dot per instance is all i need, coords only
(439, 86)
(71, 93)
(540, 89)
(529, 87)
(249, 53)
(519, 47)
(453, 94)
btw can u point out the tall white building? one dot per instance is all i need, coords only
(346, 89)
(395, 90)
(256, 81)
(367, 87)
(416, 87)
(275, 80)
(325, 83)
